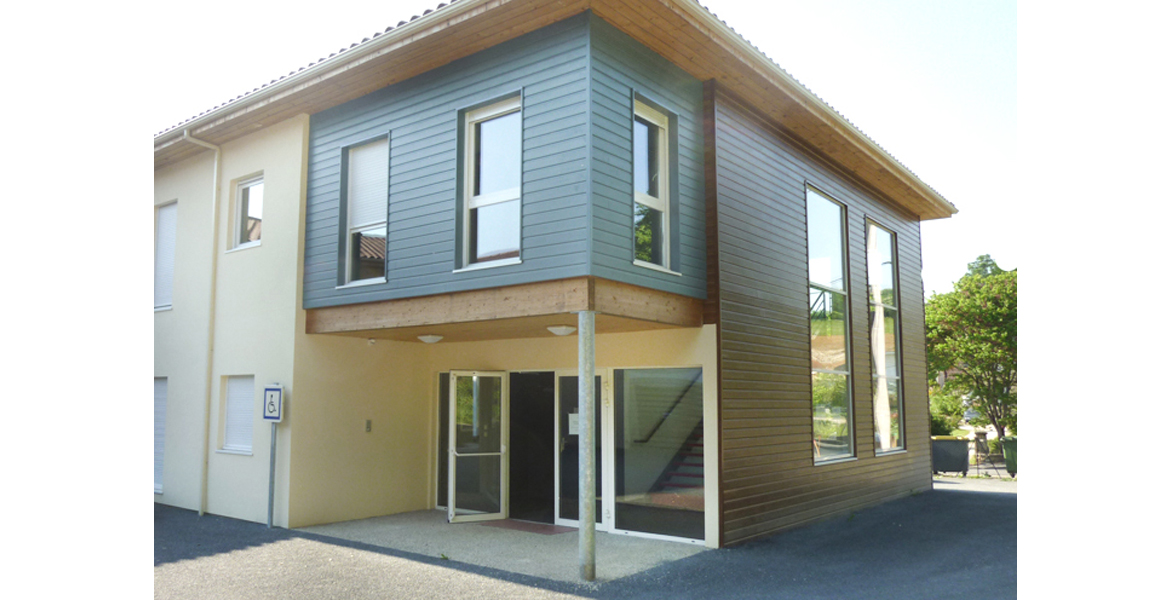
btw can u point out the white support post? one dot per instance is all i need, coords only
(587, 436)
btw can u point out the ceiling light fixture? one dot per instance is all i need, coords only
(429, 339)
(562, 329)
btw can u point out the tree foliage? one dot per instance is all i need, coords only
(971, 335)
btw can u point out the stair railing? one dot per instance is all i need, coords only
(666, 415)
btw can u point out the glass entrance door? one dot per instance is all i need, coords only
(568, 453)
(477, 465)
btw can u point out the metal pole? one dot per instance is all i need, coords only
(587, 434)
(271, 474)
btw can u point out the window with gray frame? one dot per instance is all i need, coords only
(829, 323)
(884, 339)
(367, 191)
(651, 186)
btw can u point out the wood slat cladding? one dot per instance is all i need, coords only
(757, 176)
(682, 32)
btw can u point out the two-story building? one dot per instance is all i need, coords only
(426, 239)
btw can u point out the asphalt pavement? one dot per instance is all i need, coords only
(957, 541)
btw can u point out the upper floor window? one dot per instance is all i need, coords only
(884, 339)
(491, 206)
(651, 186)
(165, 226)
(829, 324)
(249, 212)
(367, 191)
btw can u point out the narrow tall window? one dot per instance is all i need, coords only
(651, 186)
(829, 321)
(249, 212)
(367, 191)
(160, 429)
(492, 183)
(237, 422)
(164, 255)
(884, 339)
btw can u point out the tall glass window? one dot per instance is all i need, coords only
(884, 339)
(249, 212)
(493, 163)
(658, 437)
(651, 186)
(367, 188)
(828, 303)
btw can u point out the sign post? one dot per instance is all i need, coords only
(274, 413)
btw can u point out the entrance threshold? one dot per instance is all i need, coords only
(427, 534)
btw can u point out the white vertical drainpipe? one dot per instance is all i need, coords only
(211, 316)
(587, 434)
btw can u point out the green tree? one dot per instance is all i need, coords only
(971, 335)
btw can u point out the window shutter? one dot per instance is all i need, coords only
(237, 433)
(164, 255)
(160, 426)
(369, 177)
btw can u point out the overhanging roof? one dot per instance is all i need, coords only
(680, 30)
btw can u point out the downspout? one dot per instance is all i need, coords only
(210, 317)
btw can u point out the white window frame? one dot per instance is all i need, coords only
(848, 334)
(351, 228)
(472, 201)
(880, 377)
(662, 203)
(165, 247)
(240, 218)
(238, 415)
(160, 427)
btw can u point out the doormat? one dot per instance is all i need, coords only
(541, 528)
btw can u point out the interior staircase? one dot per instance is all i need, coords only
(685, 470)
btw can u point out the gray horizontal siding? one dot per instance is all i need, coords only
(622, 67)
(768, 479)
(421, 117)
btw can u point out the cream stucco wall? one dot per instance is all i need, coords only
(256, 311)
(342, 472)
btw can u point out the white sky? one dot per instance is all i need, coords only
(934, 83)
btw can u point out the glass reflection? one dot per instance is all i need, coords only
(827, 320)
(832, 436)
(495, 231)
(497, 152)
(825, 265)
(648, 239)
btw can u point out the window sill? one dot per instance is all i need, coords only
(158, 491)
(834, 461)
(880, 453)
(243, 247)
(163, 308)
(655, 267)
(489, 265)
(362, 283)
(236, 452)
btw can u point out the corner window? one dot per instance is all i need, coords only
(491, 205)
(367, 190)
(829, 323)
(237, 414)
(249, 212)
(885, 351)
(164, 255)
(651, 186)
(160, 430)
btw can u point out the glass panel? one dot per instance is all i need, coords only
(883, 335)
(880, 248)
(368, 254)
(477, 414)
(827, 318)
(570, 448)
(443, 437)
(495, 231)
(887, 420)
(832, 436)
(477, 484)
(646, 157)
(648, 240)
(497, 152)
(825, 265)
(251, 212)
(658, 439)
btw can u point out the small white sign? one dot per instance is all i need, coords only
(273, 404)
(573, 423)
